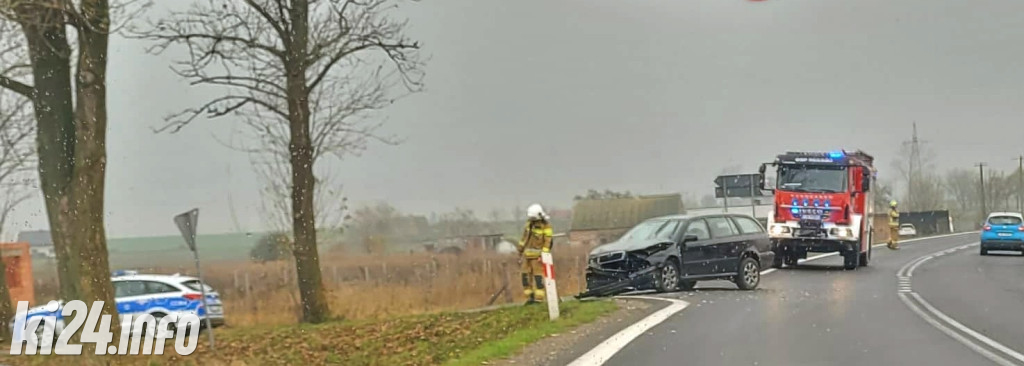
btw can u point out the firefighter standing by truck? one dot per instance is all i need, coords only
(536, 240)
(894, 226)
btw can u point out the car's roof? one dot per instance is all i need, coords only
(154, 277)
(1011, 214)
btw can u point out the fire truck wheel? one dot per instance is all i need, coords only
(865, 257)
(851, 260)
(778, 260)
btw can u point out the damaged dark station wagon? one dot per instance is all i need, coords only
(674, 252)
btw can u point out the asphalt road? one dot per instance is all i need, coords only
(819, 314)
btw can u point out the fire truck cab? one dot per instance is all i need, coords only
(822, 203)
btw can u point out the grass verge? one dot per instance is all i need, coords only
(455, 339)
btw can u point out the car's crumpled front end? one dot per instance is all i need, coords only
(616, 268)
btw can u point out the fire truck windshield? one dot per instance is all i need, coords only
(812, 178)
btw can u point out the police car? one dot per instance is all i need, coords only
(157, 295)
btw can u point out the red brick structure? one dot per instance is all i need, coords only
(18, 261)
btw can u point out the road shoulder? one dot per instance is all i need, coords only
(562, 349)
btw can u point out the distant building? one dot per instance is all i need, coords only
(40, 243)
(599, 221)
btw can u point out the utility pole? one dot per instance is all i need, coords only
(984, 209)
(914, 165)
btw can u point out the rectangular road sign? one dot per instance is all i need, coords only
(738, 185)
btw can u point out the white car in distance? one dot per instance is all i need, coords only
(908, 230)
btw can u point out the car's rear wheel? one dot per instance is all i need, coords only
(749, 275)
(668, 277)
(984, 251)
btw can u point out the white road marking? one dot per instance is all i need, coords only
(604, 351)
(930, 313)
(935, 323)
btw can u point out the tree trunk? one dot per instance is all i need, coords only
(49, 54)
(7, 310)
(300, 148)
(86, 190)
(71, 145)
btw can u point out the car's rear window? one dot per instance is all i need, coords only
(196, 285)
(1004, 220)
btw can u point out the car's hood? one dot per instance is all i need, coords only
(624, 245)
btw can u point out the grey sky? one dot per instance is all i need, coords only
(540, 100)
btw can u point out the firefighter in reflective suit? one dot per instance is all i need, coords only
(536, 240)
(894, 226)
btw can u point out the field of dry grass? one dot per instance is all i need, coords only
(363, 286)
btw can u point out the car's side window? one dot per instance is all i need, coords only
(129, 288)
(748, 226)
(721, 227)
(699, 229)
(159, 288)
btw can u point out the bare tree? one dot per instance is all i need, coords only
(329, 203)
(71, 123)
(16, 162)
(306, 76)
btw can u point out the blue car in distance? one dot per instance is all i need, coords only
(1003, 231)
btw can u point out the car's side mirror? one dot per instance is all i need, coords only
(689, 238)
(866, 182)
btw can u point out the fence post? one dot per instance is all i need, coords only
(247, 286)
(505, 282)
(334, 270)
(366, 273)
(384, 269)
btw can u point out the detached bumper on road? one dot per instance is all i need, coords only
(602, 282)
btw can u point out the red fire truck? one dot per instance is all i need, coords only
(822, 204)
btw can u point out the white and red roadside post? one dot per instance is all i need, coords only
(551, 293)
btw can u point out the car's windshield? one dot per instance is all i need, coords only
(812, 178)
(1004, 220)
(652, 230)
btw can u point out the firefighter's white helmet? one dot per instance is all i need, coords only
(536, 212)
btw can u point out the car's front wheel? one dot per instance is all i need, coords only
(668, 277)
(749, 275)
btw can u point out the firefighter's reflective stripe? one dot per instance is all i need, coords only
(543, 232)
(531, 253)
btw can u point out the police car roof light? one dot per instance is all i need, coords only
(835, 154)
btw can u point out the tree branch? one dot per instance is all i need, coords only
(18, 87)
